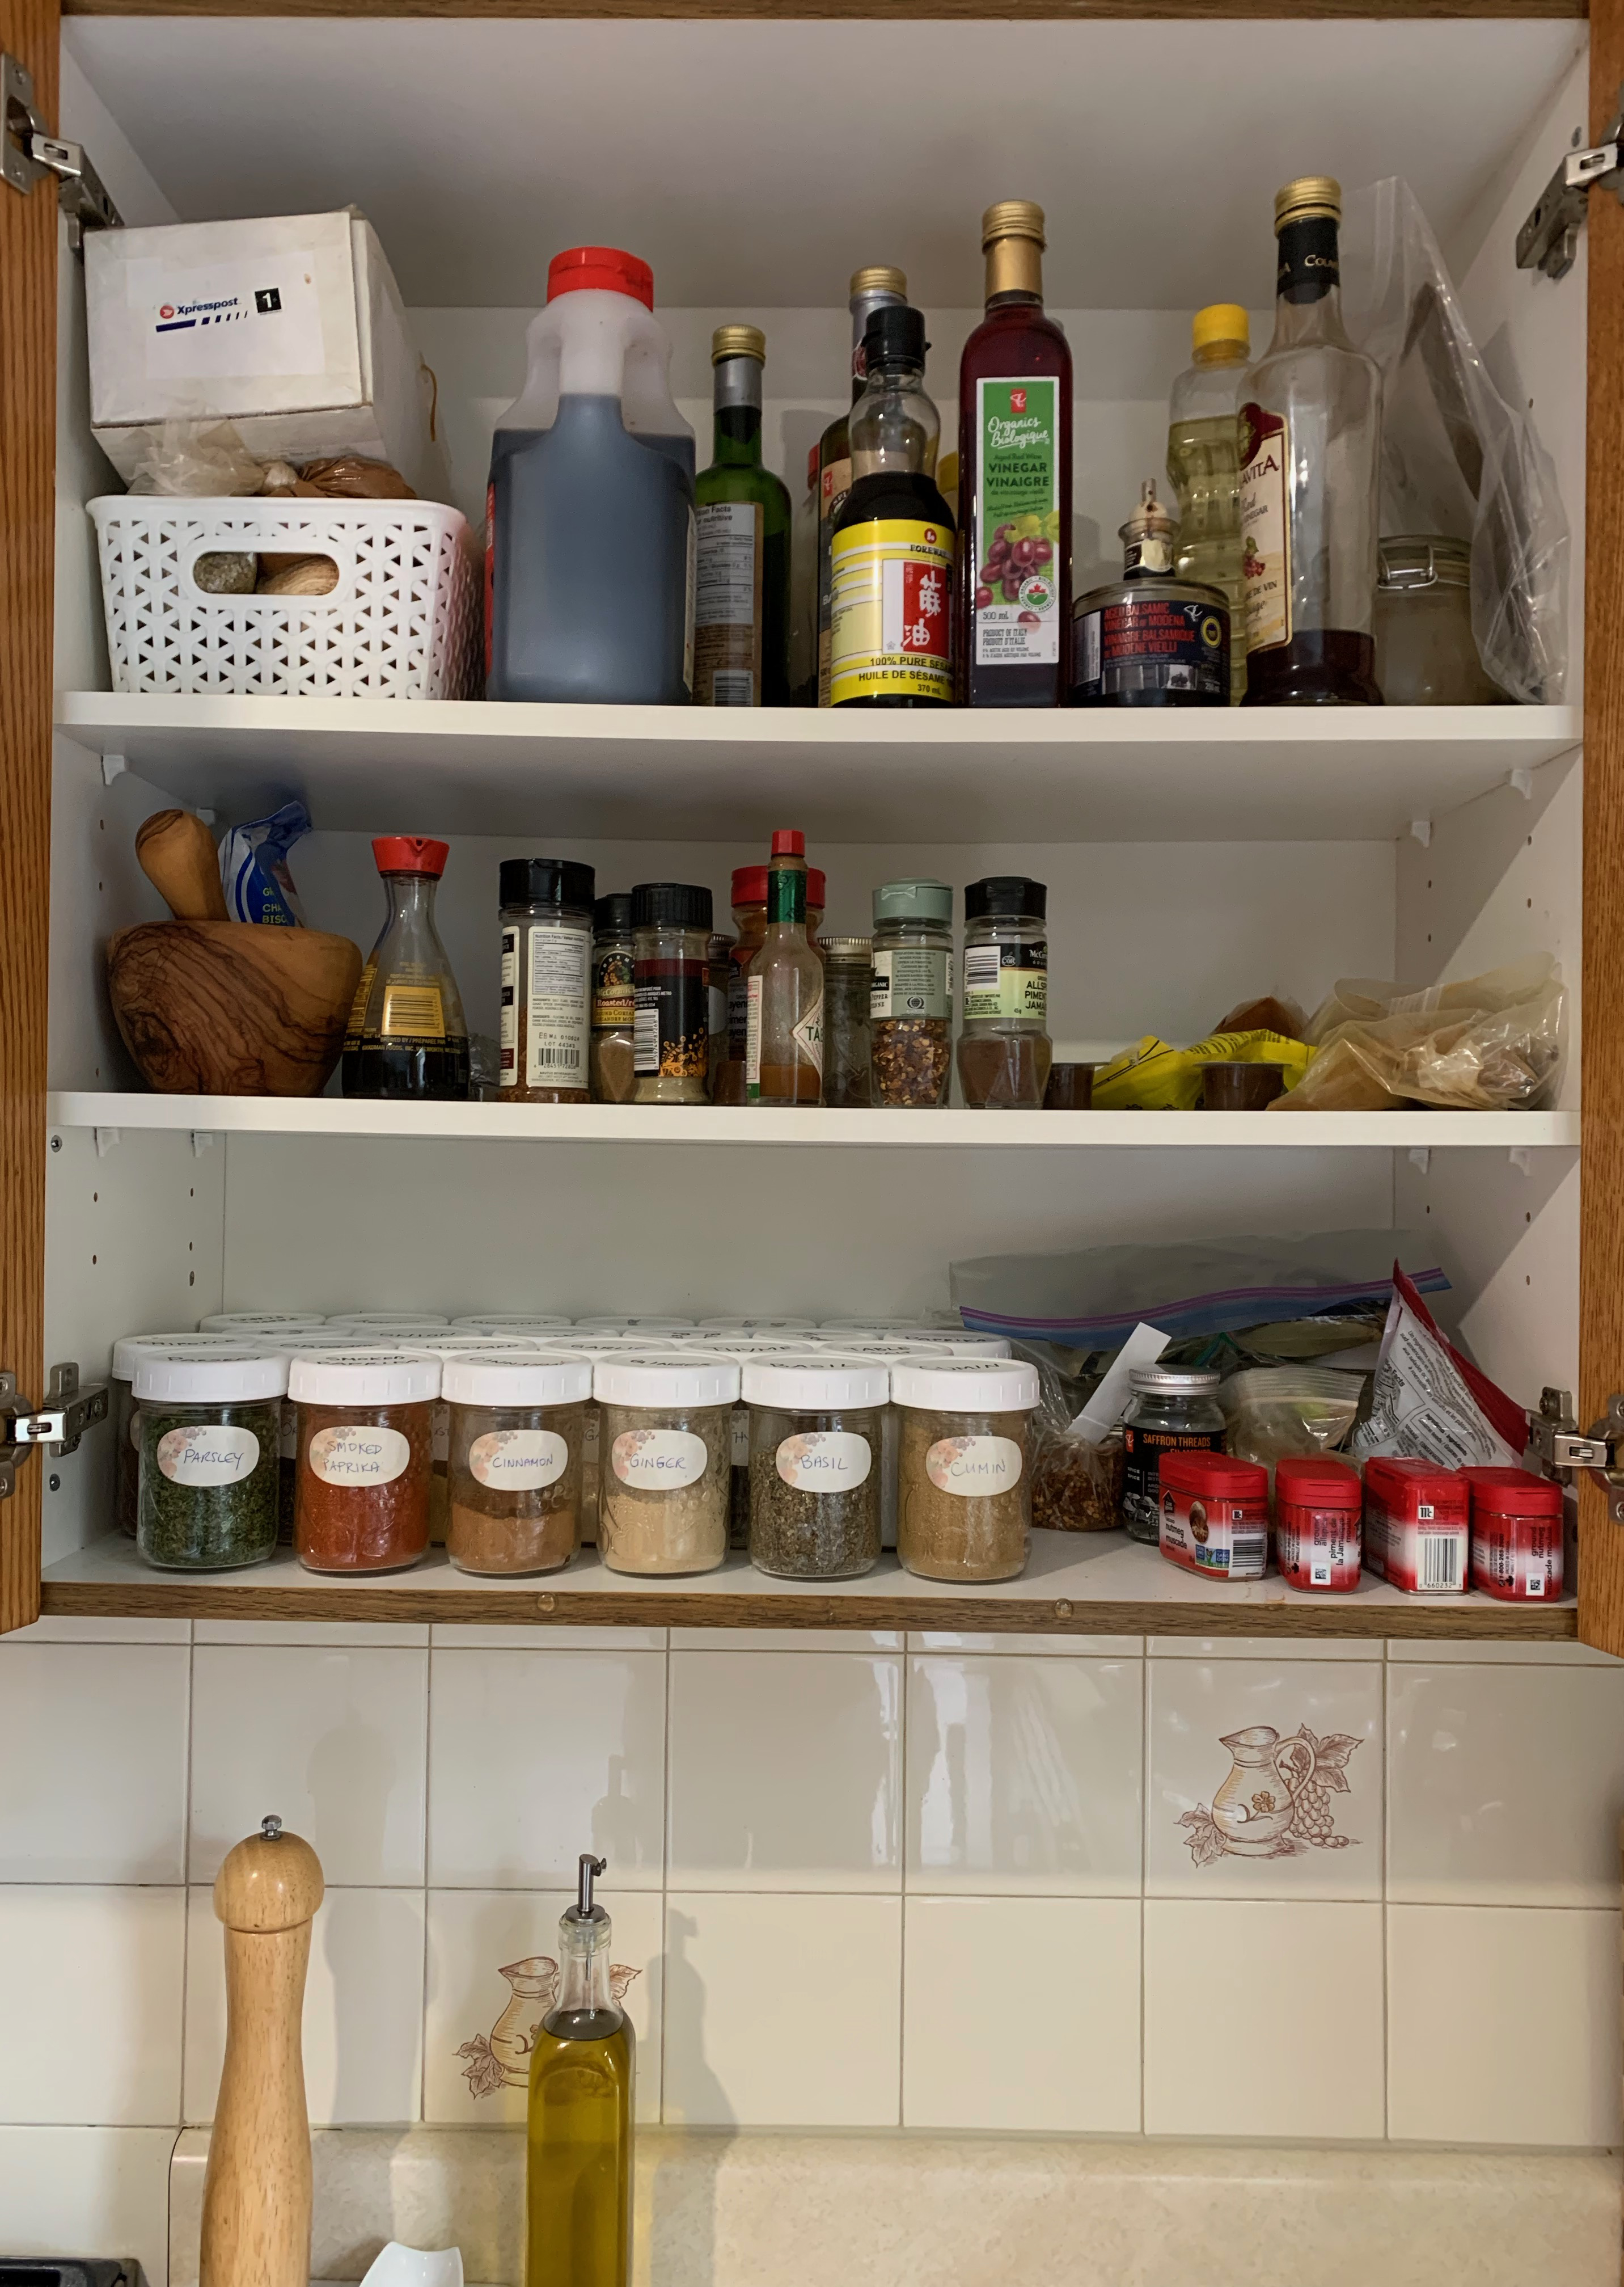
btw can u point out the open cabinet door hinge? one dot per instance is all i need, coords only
(1555, 1437)
(28, 150)
(1550, 238)
(70, 1409)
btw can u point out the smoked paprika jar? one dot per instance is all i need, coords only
(366, 1456)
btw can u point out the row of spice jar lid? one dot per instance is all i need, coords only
(647, 1442)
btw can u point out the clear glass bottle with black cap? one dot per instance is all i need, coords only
(671, 951)
(1311, 451)
(546, 980)
(407, 1035)
(612, 1071)
(1003, 1049)
(580, 2111)
(878, 288)
(742, 591)
(891, 628)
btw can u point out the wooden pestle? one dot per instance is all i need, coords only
(176, 851)
(257, 2191)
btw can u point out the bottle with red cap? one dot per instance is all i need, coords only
(589, 541)
(407, 1036)
(784, 990)
(749, 900)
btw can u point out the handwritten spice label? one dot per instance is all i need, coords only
(655, 1458)
(359, 1453)
(826, 1461)
(206, 1455)
(976, 1469)
(518, 1461)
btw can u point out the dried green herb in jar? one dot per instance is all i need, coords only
(209, 1431)
(814, 1464)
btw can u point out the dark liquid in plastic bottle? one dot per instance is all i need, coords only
(590, 535)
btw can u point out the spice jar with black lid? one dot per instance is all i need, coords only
(614, 1000)
(963, 1486)
(546, 980)
(366, 1433)
(666, 1451)
(1003, 1049)
(209, 1427)
(671, 946)
(516, 1450)
(911, 1004)
(814, 1464)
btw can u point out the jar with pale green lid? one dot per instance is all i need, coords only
(911, 1003)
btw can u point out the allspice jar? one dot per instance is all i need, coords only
(964, 1485)
(665, 1460)
(515, 1458)
(814, 1464)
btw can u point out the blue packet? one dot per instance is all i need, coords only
(253, 868)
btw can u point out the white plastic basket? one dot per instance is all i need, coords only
(403, 621)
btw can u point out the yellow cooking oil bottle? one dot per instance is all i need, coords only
(577, 2183)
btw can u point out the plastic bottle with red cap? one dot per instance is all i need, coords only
(407, 1037)
(590, 510)
(784, 990)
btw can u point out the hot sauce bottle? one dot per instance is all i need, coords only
(1014, 480)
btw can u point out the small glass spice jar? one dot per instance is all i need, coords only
(664, 1458)
(964, 1490)
(366, 1432)
(210, 1427)
(716, 1005)
(911, 1004)
(671, 950)
(1004, 1048)
(516, 1422)
(1172, 1410)
(126, 1414)
(749, 897)
(611, 1068)
(1426, 655)
(547, 979)
(814, 1464)
(846, 992)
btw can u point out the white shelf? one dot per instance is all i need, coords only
(609, 1123)
(695, 775)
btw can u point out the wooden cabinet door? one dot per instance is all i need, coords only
(28, 31)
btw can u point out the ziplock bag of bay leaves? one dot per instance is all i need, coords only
(1460, 458)
(1488, 1043)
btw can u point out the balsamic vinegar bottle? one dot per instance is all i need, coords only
(577, 2176)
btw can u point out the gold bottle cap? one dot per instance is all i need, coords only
(879, 281)
(1310, 195)
(1012, 218)
(739, 341)
(1219, 321)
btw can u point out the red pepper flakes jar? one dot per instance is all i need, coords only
(1319, 1505)
(365, 1458)
(1417, 1526)
(1516, 1535)
(1214, 1515)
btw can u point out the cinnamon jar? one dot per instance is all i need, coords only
(366, 1453)
(517, 1419)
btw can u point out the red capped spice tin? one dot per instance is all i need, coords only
(1516, 1535)
(1417, 1526)
(1214, 1514)
(1318, 1507)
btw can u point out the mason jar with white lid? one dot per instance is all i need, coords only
(816, 1424)
(207, 1475)
(291, 1322)
(739, 1346)
(666, 1449)
(126, 1419)
(963, 1479)
(515, 1457)
(519, 1322)
(366, 1450)
(741, 1326)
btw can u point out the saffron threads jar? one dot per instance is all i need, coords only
(209, 1427)
(664, 1459)
(366, 1455)
(964, 1493)
(816, 1425)
(516, 1430)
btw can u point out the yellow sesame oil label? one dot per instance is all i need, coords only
(892, 616)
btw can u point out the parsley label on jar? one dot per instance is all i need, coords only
(214, 1454)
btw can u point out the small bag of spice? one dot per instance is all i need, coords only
(366, 1433)
(209, 1426)
(964, 1488)
(666, 1453)
(814, 1464)
(517, 1420)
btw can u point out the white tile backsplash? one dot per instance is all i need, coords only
(90, 1985)
(91, 2191)
(93, 1767)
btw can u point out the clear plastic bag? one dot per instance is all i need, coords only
(196, 460)
(1076, 1482)
(1488, 1043)
(1457, 461)
(1281, 1413)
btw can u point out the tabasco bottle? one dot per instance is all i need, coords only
(1014, 480)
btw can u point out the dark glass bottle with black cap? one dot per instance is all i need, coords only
(891, 625)
(547, 979)
(671, 954)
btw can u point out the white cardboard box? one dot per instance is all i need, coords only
(291, 327)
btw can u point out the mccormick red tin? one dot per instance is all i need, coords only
(1516, 1534)
(1417, 1526)
(1214, 1515)
(1318, 1509)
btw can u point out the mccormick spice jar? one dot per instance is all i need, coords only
(964, 1496)
(1517, 1531)
(1214, 1514)
(1004, 1049)
(614, 1002)
(671, 951)
(366, 1433)
(814, 1464)
(1172, 1410)
(1317, 1508)
(666, 1453)
(207, 1468)
(1417, 1526)
(910, 1006)
(546, 979)
(515, 1458)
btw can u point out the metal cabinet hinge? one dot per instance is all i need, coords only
(1555, 1435)
(1550, 238)
(70, 1409)
(28, 150)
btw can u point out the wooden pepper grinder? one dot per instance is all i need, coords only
(257, 2192)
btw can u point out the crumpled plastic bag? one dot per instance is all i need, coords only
(1430, 1402)
(1488, 1043)
(197, 460)
(1281, 1413)
(1153, 1077)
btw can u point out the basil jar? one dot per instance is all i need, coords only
(210, 1429)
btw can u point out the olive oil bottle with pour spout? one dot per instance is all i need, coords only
(578, 2187)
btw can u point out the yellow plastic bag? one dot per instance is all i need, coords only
(1153, 1077)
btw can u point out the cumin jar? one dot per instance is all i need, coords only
(517, 1419)
(964, 1490)
(365, 1458)
(664, 1459)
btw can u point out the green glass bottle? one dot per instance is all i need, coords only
(578, 2181)
(742, 595)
